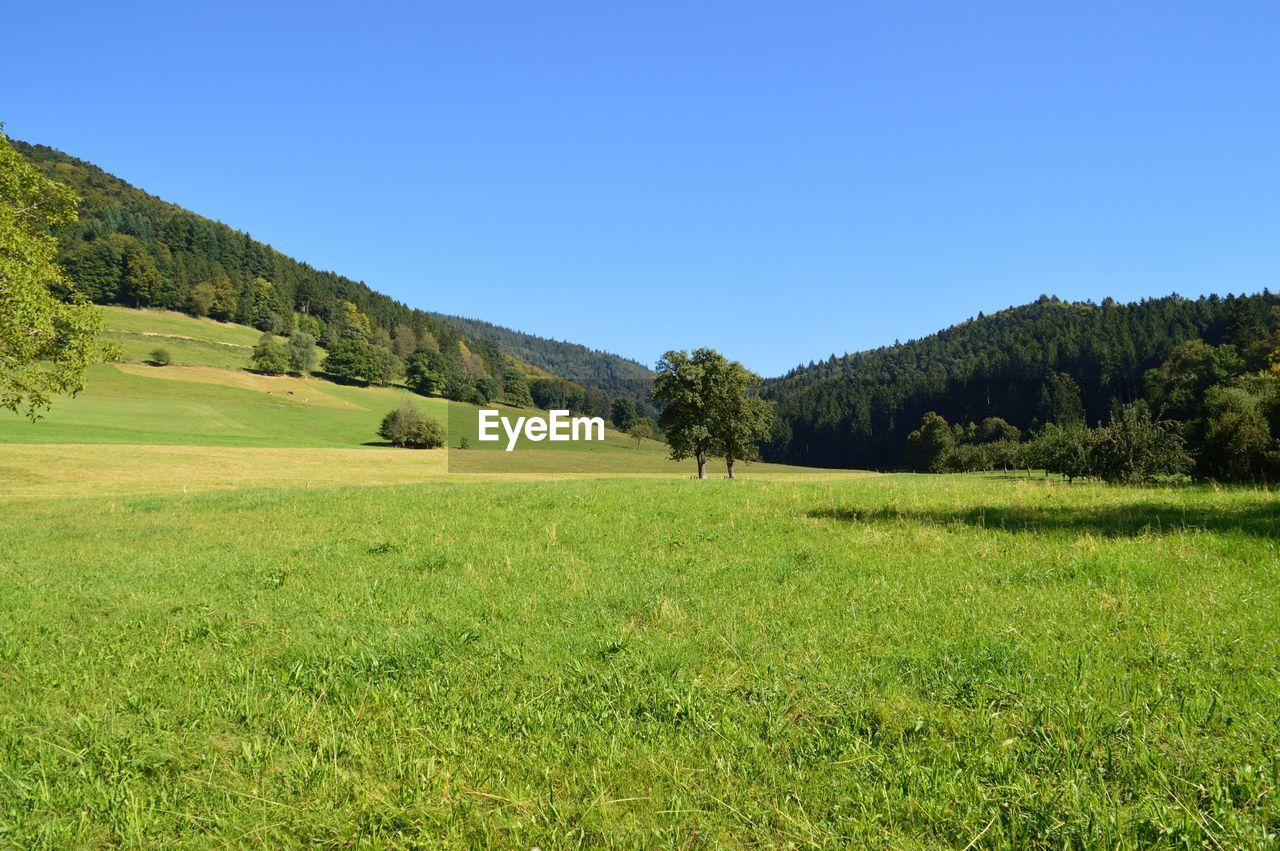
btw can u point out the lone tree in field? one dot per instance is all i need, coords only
(269, 356)
(45, 344)
(641, 431)
(409, 427)
(708, 409)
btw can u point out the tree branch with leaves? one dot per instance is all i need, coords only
(46, 345)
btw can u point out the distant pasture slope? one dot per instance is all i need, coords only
(189, 341)
(208, 399)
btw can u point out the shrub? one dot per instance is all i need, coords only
(409, 427)
(1237, 436)
(160, 357)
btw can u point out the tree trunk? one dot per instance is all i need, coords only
(728, 462)
(702, 466)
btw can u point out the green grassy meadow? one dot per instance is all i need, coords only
(892, 661)
(228, 618)
(189, 341)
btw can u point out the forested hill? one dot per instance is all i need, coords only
(1027, 365)
(131, 248)
(615, 375)
(117, 219)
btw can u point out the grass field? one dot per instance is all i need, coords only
(228, 619)
(196, 405)
(189, 341)
(887, 661)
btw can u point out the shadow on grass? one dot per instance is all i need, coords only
(340, 379)
(1121, 521)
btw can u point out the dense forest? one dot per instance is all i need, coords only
(616, 376)
(128, 247)
(1050, 362)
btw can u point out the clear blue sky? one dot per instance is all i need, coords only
(778, 181)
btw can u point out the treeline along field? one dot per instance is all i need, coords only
(889, 661)
(1048, 362)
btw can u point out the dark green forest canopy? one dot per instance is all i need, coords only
(188, 249)
(129, 247)
(856, 411)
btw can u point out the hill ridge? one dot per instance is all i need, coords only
(184, 248)
(855, 411)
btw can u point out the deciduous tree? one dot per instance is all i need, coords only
(45, 344)
(928, 445)
(641, 431)
(623, 414)
(409, 427)
(302, 352)
(708, 408)
(683, 388)
(270, 356)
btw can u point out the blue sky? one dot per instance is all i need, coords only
(778, 181)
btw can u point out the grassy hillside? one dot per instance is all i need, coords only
(207, 399)
(190, 341)
(137, 403)
(616, 376)
(884, 662)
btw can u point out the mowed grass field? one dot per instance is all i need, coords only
(228, 618)
(210, 398)
(189, 341)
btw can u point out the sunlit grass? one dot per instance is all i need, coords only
(229, 617)
(886, 661)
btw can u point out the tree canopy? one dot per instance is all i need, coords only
(46, 342)
(707, 408)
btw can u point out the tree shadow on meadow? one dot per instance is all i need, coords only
(1119, 521)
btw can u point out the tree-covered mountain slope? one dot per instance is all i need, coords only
(617, 376)
(1026, 365)
(131, 248)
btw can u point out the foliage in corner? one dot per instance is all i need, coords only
(45, 344)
